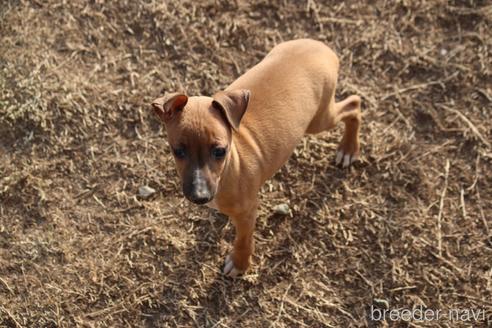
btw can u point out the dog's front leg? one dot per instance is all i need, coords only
(239, 260)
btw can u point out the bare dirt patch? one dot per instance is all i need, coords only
(79, 248)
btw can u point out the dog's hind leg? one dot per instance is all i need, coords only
(348, 111)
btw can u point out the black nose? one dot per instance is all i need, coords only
(198, 191)
(200, 195)
(201, 200)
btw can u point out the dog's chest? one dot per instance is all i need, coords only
(213, 205)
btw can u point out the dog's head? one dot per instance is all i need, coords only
(199, 131)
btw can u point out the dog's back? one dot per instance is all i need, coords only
(295, 76)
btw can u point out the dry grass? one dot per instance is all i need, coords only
(402, 228)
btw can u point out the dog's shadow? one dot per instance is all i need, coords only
(219, 300)
(186, 299)
(223, 291)
(215, 300)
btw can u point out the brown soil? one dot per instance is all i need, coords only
(398, 230)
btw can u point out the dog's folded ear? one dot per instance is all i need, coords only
(166, 107)
(232, 104)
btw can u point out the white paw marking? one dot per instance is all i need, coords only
(345, 159)
(339, 157)
(229, 269)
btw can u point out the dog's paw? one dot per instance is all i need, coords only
(229, 269)
(345, 158)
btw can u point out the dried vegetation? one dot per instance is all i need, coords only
(409, 225)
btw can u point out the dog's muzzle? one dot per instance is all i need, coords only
(198, 191)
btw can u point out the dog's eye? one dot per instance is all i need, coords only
(219, 152)
(179, 152)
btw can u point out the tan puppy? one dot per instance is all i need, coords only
(228, 145)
